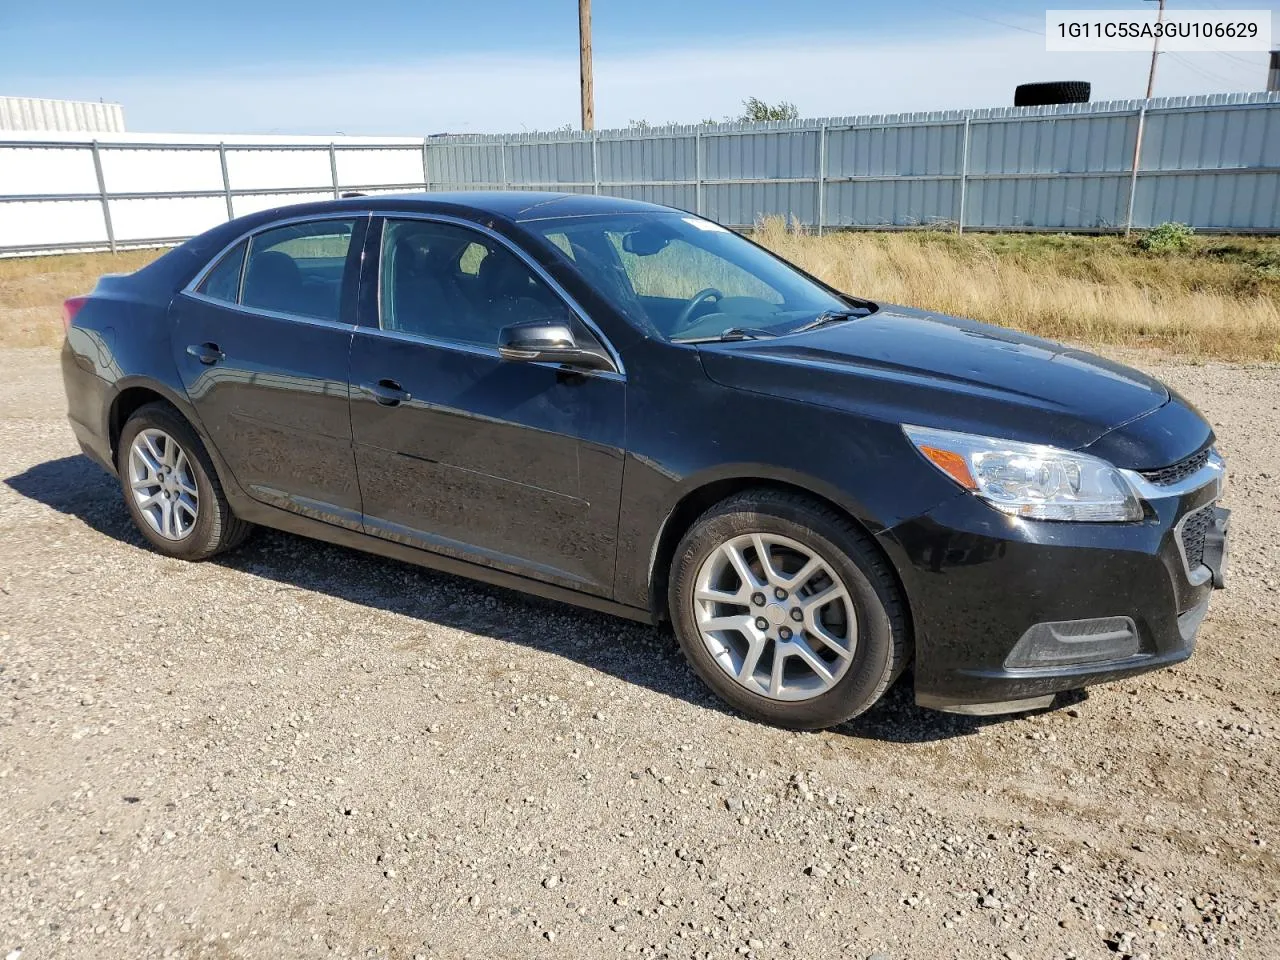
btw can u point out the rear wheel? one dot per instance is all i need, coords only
(787, 610)
(171, 489)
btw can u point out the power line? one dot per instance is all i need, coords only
(1208, 75)
(1001, 23)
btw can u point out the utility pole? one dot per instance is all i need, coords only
(1155, 52)
(584, 65)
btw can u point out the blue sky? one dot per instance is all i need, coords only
(402, 67)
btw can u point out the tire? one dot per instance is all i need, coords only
(790, 526)
(214, 528)
(1042, 94)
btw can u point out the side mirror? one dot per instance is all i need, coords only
(549, 341)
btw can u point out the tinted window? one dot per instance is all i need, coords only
(223, 281)
(685, 277)
(450, 283)
(298, 269)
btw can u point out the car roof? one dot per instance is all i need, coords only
(517, 205)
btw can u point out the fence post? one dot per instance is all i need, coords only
(595, 162)
(226, 181)
(964, 176)
(822, 176)
(697, 171)
(333, 169)
(102, 192)
(426, 172)
(1133, 174)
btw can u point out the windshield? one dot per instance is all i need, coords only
(687, 278)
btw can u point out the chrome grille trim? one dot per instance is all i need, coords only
(1213, 471)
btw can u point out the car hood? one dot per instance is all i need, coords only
(910, 366)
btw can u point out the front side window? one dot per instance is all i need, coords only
(685, 277)
(298, 269)
(446, 282)
(223, 281)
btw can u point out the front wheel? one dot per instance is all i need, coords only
(787, 610)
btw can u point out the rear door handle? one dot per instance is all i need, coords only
(388, 393)
(206, 353)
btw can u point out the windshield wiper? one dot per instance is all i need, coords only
(828, 317)
(744, 333)
(733, 333)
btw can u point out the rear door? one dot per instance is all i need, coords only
(262, 342)
(507, 464)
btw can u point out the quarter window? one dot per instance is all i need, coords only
(223, 281)
(449, 283)
(298, 269)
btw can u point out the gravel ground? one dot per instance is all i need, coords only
(302, 751)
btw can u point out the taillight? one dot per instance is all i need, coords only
(70, 307)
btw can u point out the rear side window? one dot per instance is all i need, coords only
(298, 269)
(223, 281)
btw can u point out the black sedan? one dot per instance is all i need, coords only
(631, 408)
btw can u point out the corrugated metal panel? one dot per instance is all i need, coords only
(1233, 137)
(897, 151)
(1066, 145)
(761, 156)
(459, 164)
(680, 196)
(549, 163)
(636, 161)
(897, 203)
(1223, 201)
(1067, 203)
(30, 113)
(742, 204)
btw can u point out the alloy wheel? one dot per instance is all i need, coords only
(775, 616)
(163, 484)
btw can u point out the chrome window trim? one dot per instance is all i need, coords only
(1213, 472)
(619, 370)
(213, 261)
(272, 314)
(476, 349)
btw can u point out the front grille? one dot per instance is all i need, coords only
(1194, 530)
(1177, 471)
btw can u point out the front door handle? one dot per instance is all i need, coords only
(388, 393)
(206, 353)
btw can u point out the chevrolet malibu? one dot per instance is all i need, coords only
(633, 409)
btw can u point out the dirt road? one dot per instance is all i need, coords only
(302, 751)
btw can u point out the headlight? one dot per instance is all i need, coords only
(1026, 480)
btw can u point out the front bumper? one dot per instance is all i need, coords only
(1009, 612)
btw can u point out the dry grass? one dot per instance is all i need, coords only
(32, 290)
(1221, 298)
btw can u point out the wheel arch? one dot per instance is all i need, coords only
(702, 496)
(134, 394)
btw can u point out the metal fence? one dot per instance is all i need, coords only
(1212, 162)
(134, 190)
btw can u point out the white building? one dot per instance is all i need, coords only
(29, 113)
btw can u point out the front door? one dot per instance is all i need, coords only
(508, 464)
(262, 344)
